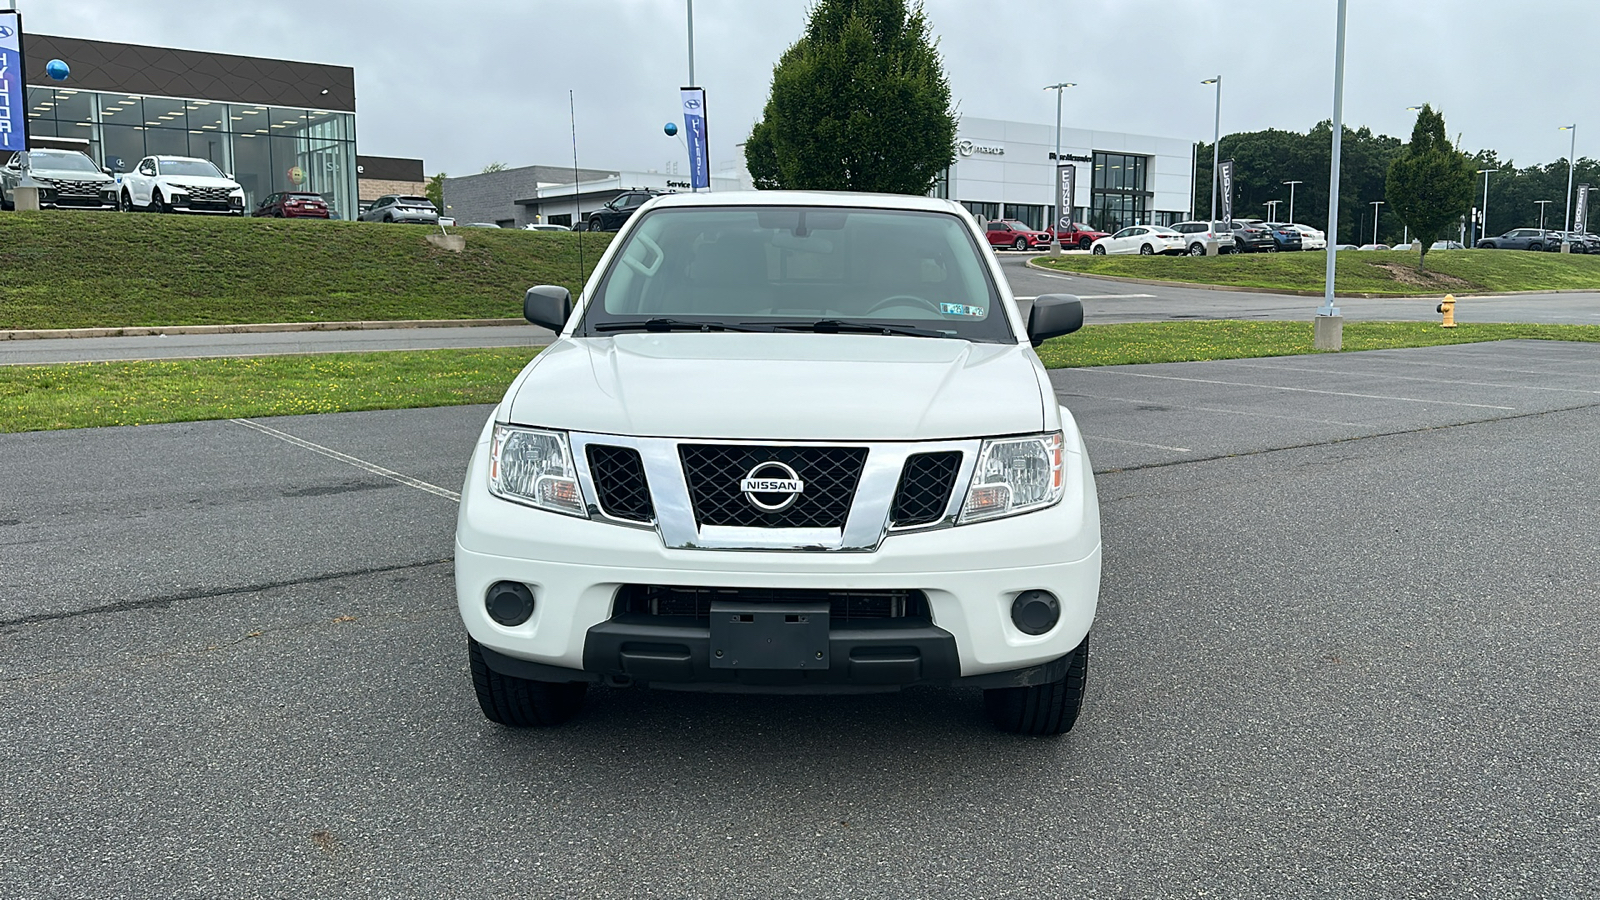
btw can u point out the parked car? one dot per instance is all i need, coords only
(544, 226)
(1016, 235)
(1249, 237)
(180, 184)
(1078, 235)
(1518, 239)
(403, 208)
(1283, 237)
(1198, 234)
(1310, 238)
(611, 216)
(67, 179)
(1446, 245)
(292, 205)
(1374, 247)
(1339, 247)
(480, 225)
(1145, 240)
(1581, 243)
(685, 491)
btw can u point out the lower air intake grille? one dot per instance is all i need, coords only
(620, 482)
(924, 491)
(695, 602)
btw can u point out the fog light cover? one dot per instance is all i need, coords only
(534, 467)
(1015, 475)
(509, 603)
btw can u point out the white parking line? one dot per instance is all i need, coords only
(347, 459)
(1215, 409)
(1449, 381)
(1110, 296)
(1096, 437)
(1275, 387)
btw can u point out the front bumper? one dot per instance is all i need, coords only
(969, 574)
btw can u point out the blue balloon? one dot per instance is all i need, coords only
(57, 69)
(671, 128)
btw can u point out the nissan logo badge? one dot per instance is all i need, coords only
(772, 486)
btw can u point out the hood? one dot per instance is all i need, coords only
(781, 387)
(70, 175)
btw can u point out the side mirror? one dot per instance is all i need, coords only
(549, 305)
(1052, 316)
(107, 170)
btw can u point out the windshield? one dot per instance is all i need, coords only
(195, 167)
(800, 268)
(67, 162)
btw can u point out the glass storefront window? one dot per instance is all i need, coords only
(1119, 197)
(983, 212)
(74, 106)
(160, 112)
(1029, 214)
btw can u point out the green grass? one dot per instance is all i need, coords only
(68, 269)
(1391, 272)
(84, 395)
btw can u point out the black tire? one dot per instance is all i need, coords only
(1535, 247)
(157, 204)
(1099, 250)
(594, 224)
(1147, 250)
(519, 702)
(1084, 243)
(124, 201)
(1043, 709)
(388, 219)
(1197, 249)
(1272, 247)
(1020, 244)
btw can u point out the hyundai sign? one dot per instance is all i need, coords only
(694, 125)
(13, 109)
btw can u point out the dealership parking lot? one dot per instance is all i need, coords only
(1346, 648)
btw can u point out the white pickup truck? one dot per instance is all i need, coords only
(788, 442)
(181, 184)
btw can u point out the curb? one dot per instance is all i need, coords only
(1285, 292)
(30, 334)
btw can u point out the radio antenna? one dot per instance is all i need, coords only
(577, 212)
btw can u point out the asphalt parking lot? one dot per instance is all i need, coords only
(1346, 648)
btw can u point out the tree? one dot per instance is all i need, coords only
(1430, 182)
(859, 103)
(494, 167)
(435, 189)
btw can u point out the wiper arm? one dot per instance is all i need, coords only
(663, 324)
(838, 326)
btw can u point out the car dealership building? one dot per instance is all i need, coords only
(275, 125)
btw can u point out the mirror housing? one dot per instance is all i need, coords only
(548, 305)
(1054, 315)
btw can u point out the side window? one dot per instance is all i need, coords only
(996, 226)
(637, 200)
(1123, 233)
(147, 166)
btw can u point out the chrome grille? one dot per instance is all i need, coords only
(924, 491)
(714, 471)
(217, 195)
(620, 484)
(80, 190)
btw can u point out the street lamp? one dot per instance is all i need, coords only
(1216, 140)
(1055, 233)
(1565, 238)
(1272, 210)
(1328, 333)
(1542, 205)
(1291, 185)
(1483, 219)
(1375, 205)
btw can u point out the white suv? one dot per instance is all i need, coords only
(785, 442)
(181, 184)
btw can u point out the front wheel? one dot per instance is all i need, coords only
(158, 204)
(125, 202)
(594, 225)
(1042, 709)
(1100, 250)
(1083, 243)
(520, 702)
(1020, 244)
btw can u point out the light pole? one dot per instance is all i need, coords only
(1055, 232)
(1328, 333)
(1566, 246)
(1375, 205)
(1483, 218)
(1272, 210)
(1216, 140)
(691, 42)
(1291, 185)
(1542, 205)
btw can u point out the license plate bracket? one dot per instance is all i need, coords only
(769, 635)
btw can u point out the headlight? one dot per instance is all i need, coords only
(534, 467)
(1015, 475)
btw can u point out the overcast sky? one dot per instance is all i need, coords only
(462, 84)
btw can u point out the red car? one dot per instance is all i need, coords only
(292, 205)
(1079, 234)
(1016, 235)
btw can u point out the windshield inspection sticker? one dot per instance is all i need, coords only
(958, 309)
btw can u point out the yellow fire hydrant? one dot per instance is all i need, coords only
(1448, 307)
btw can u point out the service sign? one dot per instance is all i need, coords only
(1066, 190)
(1225, 179)
(13, 106)
(694, 126)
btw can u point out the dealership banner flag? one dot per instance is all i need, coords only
(1580, 222)
(13, 108)
(1066, 190)
(694, 124)
(1225, 179)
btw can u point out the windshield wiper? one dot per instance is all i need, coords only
(663, 324)
(837, 326)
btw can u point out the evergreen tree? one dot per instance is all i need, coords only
(859, 103)
(1430, 182)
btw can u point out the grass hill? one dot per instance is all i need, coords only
(69, 269)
